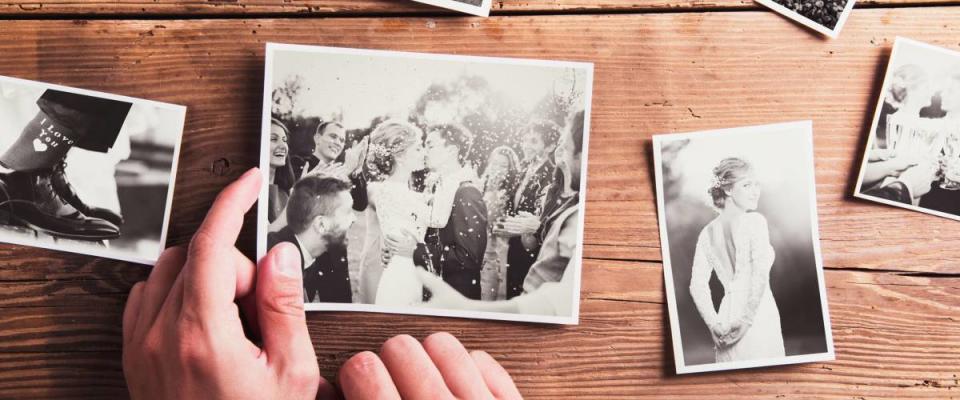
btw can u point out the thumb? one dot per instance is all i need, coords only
(283, 324)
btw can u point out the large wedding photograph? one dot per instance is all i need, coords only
(427, 184)
(742, 264)
(86, 172)
(912, 156)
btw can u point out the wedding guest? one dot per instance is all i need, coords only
(328, 142)
(906, 93)
(559, 225)
(320, 211)
(456, 238)
(498, 182)
(539, 139)
(281, 177)
(323, 163)
(548, 288)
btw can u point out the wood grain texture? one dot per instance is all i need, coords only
(892, 274)
(896, 337)
(349, 8)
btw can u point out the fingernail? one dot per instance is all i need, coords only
(287, 260)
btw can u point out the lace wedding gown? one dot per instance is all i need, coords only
(398, 208)
(746, 285)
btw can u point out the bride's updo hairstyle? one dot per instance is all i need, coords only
(388, 141)
(727, 173)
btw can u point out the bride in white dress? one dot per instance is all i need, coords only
(395, 151)
(736, 245)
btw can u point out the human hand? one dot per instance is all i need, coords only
(402, 242)
(877, 155)
(354, 155)
(523, 223)
(182, 333)
(440, 368)
(735, 333)
(883, 163)
(919, 178)
(335, 170)
(718, 331)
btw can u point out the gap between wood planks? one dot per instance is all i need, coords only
(438, 13)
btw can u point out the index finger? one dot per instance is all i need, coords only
(210, 275)
(221, 227)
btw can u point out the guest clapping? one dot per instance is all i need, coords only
(539, 140)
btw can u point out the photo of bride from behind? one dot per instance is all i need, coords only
(736, 246)
(738, 226)
(395, 152)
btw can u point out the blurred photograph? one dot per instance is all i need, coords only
(479, 8)
(824, 16)
(741, 253)
(912, 157)
(427, 184)
(86, 172)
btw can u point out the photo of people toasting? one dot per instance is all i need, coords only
(427, 184)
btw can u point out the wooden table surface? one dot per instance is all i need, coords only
(892, 276)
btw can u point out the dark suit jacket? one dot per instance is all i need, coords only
(456, 251)
(895, 191)
(519, 258)
(301, 165)
(327, 280)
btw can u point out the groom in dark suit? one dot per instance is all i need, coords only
(319, 212)
(457, 226)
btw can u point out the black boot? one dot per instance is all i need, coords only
(29, 198)
(65, 190)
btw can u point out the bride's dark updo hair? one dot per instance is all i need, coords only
(727, 173)
(388, 141)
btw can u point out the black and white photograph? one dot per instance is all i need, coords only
(480, 8)
(824, 16)
(741, 253)
(427, 184)
(86, 172)
(912, 156)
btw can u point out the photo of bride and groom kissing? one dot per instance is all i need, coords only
(440, 211)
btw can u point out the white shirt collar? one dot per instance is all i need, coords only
(307, 258)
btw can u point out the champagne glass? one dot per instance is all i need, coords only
(950, 161)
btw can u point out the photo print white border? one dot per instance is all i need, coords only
(797, 17)
(483, 10)
(899, 43)
(262, 224)
(731, 133)
(127, 256)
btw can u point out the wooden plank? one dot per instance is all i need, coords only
(908, 325)
(138, 8)
(347, 7)
(654, 73)
(897, 335)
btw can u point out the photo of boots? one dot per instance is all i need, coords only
(76, 160)
(37, 193)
